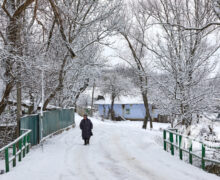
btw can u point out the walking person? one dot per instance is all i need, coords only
(86, 127)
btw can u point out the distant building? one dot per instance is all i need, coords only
(127, 108)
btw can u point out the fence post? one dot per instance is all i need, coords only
(176, 138)
(14, 154)
(28, 141)
(203, 155)
(20, 149)
(24, 144)
(180, 148)
(6, 160)
(190, 151)
(171, 145)
(164, 140)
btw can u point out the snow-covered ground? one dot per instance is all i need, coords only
(118, 151)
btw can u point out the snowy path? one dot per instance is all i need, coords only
(118, 151)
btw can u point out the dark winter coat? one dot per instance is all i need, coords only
(86, 127)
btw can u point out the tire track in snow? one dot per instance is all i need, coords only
(114, 162)
(94, 161)
(107, 163)
(77, 159)
(96, 158)
(131, 161)
(115, 166)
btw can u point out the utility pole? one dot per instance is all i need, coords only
(93, 91)
(18, 86)
(42, 102)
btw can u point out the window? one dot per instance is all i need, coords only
(127, 111)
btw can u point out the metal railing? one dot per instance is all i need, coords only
(16, 149)
(176, 140)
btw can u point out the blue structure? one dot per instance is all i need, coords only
(128, 111)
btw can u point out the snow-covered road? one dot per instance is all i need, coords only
(118, 151)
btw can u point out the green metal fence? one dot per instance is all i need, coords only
(17, 149)
(32, 122)
(56, 120)
(52, 121)
(178, 141)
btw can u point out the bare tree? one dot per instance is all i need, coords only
(63, 23)
(14, 11)
(114, 85)
(183, 55)
(47, 37)
(213, 6)
(90, 19)
(135, 27)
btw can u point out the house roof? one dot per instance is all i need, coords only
(27, 103)
(122, 100)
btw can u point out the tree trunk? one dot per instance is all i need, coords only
(11, 47)
(81, 90)
(112, 108)
(51, 96)
(31, 108)
(5, 96)
(59, 86)
(143, 81)
(15, 48)
(172, 121)
(147, 115)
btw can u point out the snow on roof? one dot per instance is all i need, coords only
(28, 103)
(122, 100)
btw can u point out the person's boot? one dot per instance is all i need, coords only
(85, 141)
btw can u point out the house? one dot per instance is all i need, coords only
(131, 108)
